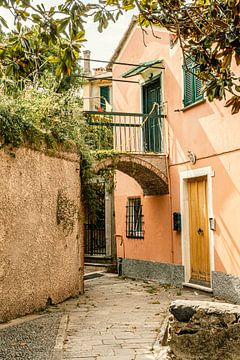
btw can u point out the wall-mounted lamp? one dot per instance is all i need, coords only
(192, 157)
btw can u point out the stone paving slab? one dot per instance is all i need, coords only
(118, 319)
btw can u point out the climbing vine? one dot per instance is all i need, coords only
(67, 212)
(89, 176)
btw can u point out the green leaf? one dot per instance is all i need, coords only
(97, 16)
(104, 22)
(36, 17)
(80, 36)
(53, 59)
(62, 24)
(237, 88)
(3, 22)
(227, 60)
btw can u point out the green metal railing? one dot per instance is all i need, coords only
(126, 132)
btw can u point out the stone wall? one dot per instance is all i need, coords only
(204, 330)
(41, 248)
(226, 286)
(151, 270)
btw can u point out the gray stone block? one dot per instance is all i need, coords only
(178, 307)
(150, 270)
(211, 332)
(226, 286)
(182, 312)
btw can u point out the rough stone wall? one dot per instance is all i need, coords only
(204, 330)
(41, 248)
(226, 286)
(163, 273)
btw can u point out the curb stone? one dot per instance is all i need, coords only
(20, 321)
(94, 275)
(57, 353)
(161, 348)
(163, 335)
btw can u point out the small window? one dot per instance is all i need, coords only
(192, 84)
(104, 96)
(134, 218)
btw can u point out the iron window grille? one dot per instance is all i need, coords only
(134, 219)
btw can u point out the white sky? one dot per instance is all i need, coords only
(101, 45)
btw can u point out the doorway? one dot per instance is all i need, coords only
(198, 231)
(152, 127)
(197, 237)
(94, 224)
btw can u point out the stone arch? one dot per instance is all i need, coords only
(150, 171)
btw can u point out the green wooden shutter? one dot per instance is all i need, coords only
(192, 84)
(104, 94)
(188, 83)
(197, 87)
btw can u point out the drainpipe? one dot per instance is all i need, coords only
(120, 259)
(171, 221)
(167, 149)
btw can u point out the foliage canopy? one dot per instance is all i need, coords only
(207, 30)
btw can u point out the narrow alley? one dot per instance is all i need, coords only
(115, 319)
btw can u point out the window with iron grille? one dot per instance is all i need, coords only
(134, 218)
(192, 84)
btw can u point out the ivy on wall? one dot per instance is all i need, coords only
(67, 212)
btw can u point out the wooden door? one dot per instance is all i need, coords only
(199, 231)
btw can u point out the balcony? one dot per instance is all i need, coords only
(125, 132)
(139, 141)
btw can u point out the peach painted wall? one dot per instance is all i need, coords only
(156, 244)
(226, 202)
(208, 130)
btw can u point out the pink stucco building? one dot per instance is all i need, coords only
(177, 196)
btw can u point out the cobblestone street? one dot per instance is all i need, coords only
(115, 319)
(118, 319)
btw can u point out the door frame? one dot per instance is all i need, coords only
(185, 240)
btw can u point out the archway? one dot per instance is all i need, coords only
(150, 171)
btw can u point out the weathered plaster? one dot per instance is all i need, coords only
(39, 259)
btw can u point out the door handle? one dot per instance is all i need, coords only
(200, 231)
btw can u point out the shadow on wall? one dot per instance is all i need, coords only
(206, 144)
(230, 245)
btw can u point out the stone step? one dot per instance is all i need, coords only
(99, 260)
